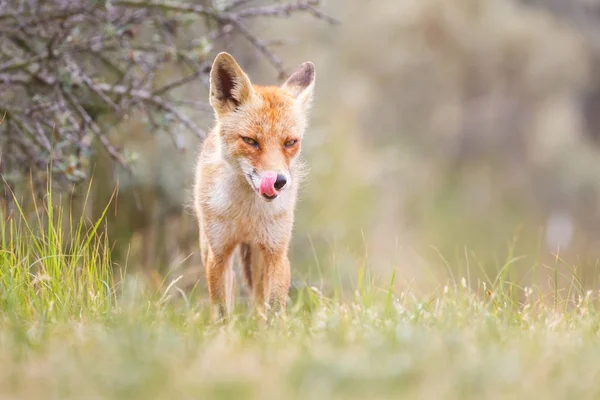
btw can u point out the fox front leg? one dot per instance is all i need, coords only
(276, 281)
(220, 278)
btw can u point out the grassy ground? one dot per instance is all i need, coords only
(69, 330)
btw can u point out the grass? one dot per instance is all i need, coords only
(69, 329)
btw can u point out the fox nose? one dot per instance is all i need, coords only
(280, 181)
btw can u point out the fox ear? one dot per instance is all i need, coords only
(229, 85)
(300, 85)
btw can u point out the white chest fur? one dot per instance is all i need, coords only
(238, 213)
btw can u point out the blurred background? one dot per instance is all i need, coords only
(448, 139)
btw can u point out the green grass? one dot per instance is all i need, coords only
(69, 329)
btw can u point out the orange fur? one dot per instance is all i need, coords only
(231, 213)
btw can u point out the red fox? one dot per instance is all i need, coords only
(246, 183)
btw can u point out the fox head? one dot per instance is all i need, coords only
(260, 128)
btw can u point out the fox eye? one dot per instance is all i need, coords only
(290, 143)
(250, 141)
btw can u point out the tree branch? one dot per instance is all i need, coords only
(167, 5)
(66, 63)
(286, 10)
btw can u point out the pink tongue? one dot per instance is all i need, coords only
(267, 184)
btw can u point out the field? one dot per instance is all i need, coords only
(71, 330)
(446, 242)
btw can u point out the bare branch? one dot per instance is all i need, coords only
(66, 63)
(286, 10)
(96, 130)
(183, 81)
(236, 4)
(261, 47)
(188, 123)
(167, 5)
